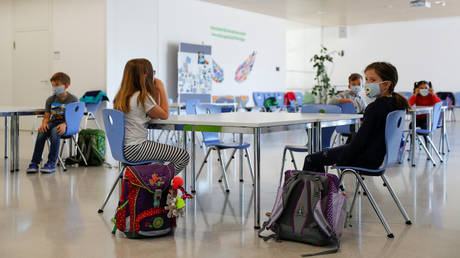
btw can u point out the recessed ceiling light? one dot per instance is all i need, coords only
(389, 6)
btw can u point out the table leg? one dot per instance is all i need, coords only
(413, 136)
(443, 132)
(12, 142)
(185, 148)
(430, 126)
(6, 137)
(257, 178)
(318, 130)
(193, 160)
(311, 139)
(17, 143)
(241, 158)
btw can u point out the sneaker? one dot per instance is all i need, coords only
(33, 168)
(47, 168)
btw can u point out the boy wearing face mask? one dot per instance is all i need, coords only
(351, 95)
(423, 96)
(53, 125)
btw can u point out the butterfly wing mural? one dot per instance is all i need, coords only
(245, 68)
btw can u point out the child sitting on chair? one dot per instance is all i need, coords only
(351, 95)
(53, 125)
(423, 96)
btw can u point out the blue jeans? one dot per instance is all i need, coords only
(55, 140)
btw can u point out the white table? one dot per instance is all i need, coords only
(15, 113)
(254, 123)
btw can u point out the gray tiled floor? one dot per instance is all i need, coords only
(56, 215)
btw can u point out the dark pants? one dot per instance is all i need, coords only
(55, 140)
(316, 161)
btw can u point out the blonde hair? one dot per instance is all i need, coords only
(137, 76)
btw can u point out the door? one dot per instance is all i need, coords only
(31, 55)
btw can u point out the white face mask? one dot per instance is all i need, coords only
(373, 89)
(58, 89)
(423, 92)
(356, 89)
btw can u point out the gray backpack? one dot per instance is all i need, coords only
(309, 208)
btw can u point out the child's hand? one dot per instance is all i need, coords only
(430, 90)
(44, 128)
(416, 91)
(61, 128)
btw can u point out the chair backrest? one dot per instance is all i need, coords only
(269, 94)
(394, 127)
(258, 98)
(242, 100)
(280, 98)
(73, 115)
(326, 133)
(208, 137)
(190, 106)
(347, 108)
(114, 122)
(457, 98)
(299, 97)
(436, 116)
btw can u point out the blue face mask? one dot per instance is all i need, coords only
(373, 89)
(423, 92)
(58, 89)
(356, 89)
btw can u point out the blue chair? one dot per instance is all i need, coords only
(93, 100)
(73, 115)
(259, 99)
(212, 141)
(280, 98)
(299, 98)
(428, 132)
(406, 94)
(393, 132)
(326, 133)
(190, 106)
(266, 96)
(114, 122)
(344, 130)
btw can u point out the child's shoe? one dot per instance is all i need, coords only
(33, 168)
(47, 168)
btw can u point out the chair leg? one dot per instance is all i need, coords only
(371, 200)
(434, 148)
(202, 164)
(95, 121)
(228, 164)
(119, 177)
(334, 140)
(447, 142)
(396, 199)
(248, 158)
(79, 150)
(282, 166)
(223, 171)
(422, 143)
(60, 156)
(293, 160)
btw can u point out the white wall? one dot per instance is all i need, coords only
(155, 32)
(6, 43)
(301, 45)
(132, 32)
(420, 50)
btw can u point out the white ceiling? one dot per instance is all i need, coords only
(343, 12)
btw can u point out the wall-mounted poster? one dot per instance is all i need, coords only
(195, 73)
(245, 68)
(218, 72)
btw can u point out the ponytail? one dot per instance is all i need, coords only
(401, 101)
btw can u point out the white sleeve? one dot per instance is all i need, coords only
(149, 103)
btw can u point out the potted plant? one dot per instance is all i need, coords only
(323, 88)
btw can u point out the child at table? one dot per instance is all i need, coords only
(53, 125)
(423, 95)
(352, 95)
(141, 98)
(367, 149)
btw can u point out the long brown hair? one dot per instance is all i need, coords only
(388, 72)
(137, 76)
